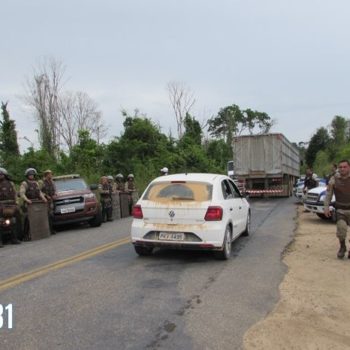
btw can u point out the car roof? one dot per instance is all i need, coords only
(196, 177)
(65, 177)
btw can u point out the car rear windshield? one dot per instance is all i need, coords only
(70, 185)
(187, 191)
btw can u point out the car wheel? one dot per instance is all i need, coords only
(143, 251)
(225, 253)
(97, 220)
(246, 232)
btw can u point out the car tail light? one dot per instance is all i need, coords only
(137, 212)
(213, 214)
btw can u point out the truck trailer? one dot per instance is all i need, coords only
(267, 164)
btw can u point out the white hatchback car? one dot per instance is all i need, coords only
(190, 211)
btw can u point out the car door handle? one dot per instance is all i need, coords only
(239, 207)
(231, 209)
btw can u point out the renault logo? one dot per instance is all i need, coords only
(171, 214)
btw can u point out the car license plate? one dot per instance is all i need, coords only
(67, 210)
(166, 236)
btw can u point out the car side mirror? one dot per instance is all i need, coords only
(93, 187)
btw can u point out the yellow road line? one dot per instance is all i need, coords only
(27, 276)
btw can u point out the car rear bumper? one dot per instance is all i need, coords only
(211, 237)
(177, 245)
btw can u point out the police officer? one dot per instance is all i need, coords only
(130, 183)
(164, 171)
(111, 182)
(310, 180)
(48, 188)
(8, 196)
(106, 199)
(29, 192)
(339, 184)
(119, 180)
(130, 188)
(30, 189)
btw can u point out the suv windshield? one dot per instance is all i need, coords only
(186, 191)
(70, 185)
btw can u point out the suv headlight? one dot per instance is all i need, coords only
(322, 197)
(89, 196)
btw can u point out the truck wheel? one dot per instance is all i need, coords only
(97, 220)
(143, 251)
(225, 253)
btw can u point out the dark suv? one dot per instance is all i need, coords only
(75, 201)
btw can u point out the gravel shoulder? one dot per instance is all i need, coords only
(314, 307)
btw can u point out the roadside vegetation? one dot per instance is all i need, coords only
(70, 131)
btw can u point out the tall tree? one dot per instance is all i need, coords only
(78, 111)
(232, 121)
(8, 135)
(43, 95)
(319, 141)
(182, 100)
(339, 130)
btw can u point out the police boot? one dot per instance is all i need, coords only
(342, 249)
(14, 239)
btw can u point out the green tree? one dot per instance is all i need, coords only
(232, 121)
(319, 141)
(8, 134)
(86, 157)
(193, 130)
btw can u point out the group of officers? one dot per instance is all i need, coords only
(30, 191)
(44, 190)
(108, 186)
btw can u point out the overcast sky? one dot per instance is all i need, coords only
(289, 59)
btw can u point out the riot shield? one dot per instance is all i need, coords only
(38, 219)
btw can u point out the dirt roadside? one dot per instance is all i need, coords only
(314, 307)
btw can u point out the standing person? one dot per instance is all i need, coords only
(119, 180)
(339, 184)
(130, 183)
(48, 188)
(164, 171)
(106, 199)
(334, 170)
(8, 197)
(29, 192)
(111, 182)
(30, 189)
(310, 181)
(130, 188)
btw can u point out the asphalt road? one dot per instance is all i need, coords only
(85, 288)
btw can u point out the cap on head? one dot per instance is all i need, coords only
(164, 170)
(110, 177)
(119, 176)
(48, 171)
(131, 176)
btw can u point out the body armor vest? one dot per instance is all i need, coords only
(33, 191)
(48, 188)
(120, 186)
(7, 192)
(106, 187)
(131, 185)
(342, 192)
